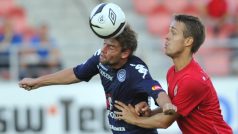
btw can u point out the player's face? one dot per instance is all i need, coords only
(174, 44)
(111, 52)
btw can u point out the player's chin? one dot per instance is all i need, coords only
(168, 53)
(103, 60)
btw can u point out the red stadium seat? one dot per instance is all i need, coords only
(16, 11)
(2, 14)
(18, 16)
(226, 30)
(6, 5)
(191, 9)
(158, 23)
(176, 6)
(216, 61)
(145, 7)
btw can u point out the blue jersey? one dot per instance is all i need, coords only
(129, 84)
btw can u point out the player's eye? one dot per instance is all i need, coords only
(173, 32)
(111, 47)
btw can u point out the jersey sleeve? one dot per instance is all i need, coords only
(87, 70)
(151, 87)
(143, 82)
(190, 92)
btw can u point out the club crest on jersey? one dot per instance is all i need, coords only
(121, 75)
(156, 87)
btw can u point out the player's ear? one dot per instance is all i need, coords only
(189, 41)
(125, 53)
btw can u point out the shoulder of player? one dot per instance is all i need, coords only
(135, 63)
(170, 70)
(97, 53)
(194, 81)
(136, 67)
(195, 74)
(138, 70)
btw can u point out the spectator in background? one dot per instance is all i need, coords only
(43, 55)
(47, 48)
(217, 14)
(8, 39)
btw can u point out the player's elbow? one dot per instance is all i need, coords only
(164, 125)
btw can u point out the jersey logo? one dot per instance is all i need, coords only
(156, 87)
(121, 75)
(175, 90)
(106, 75)
(141, 69)
(97, 52)
(102, 66)
(109, 102)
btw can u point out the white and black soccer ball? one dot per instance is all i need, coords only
(107, 20)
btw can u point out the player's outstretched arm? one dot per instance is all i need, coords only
(165, 103)
(143, 109)
(158, 120)
(63, 77)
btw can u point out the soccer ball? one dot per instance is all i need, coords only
(107, 20)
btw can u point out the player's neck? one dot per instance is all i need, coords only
(182, 61)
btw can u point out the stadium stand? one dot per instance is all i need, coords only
(145, 8)
(68, 21)
(216, 15)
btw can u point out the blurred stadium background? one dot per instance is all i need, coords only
(38, 37)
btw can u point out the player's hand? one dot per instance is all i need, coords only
(28, 84)
(126, 113)
(143, 109)
(169, 108)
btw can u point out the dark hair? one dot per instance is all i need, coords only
(193, 28)
(128, 39)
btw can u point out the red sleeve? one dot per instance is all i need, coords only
(190, 93)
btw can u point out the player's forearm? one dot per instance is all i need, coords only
(156, 110)
(163, 99)
(65, 76)
(156, 121)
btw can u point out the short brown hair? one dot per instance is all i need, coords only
(193, 28)
(128, 39)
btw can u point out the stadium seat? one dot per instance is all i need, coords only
(18, 16)
(191, 9)
(158, 23)
(6, 5)
(226, 30)
(176, 6)
(145, 7)
(216, 61)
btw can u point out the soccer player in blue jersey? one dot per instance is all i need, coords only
(124, 77)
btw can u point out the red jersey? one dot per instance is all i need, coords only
(192, 91)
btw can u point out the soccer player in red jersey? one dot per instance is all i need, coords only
(189, 87)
